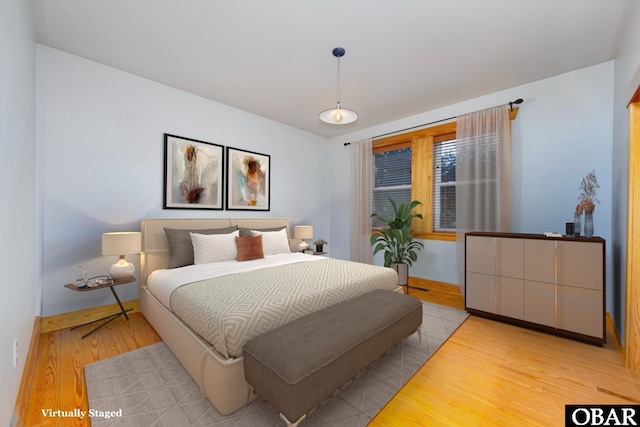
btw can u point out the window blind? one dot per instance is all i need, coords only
(444, 185)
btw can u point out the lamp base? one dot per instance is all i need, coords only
(303, 246)
(121, 269)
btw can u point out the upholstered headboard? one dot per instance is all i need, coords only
(155, 247)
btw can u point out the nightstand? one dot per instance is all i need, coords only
(312, 252)
(111, 317)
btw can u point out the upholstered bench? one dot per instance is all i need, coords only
(297, 366)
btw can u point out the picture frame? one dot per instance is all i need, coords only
(193, 174)
(248, 180)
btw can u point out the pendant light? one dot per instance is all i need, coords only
(338, 115)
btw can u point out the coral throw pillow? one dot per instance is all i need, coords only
(249, 248)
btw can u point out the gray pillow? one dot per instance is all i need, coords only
(246, 231)
(180, 246)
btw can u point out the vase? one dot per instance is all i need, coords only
(588, 224)
(576, 225)
(319, 248)
(403, 273)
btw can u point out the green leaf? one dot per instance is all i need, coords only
(396, 238)
(387, 259)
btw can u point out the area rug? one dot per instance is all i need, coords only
(149, 388)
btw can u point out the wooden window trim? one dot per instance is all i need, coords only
(448, 236)
(404, 140)
(421, 142)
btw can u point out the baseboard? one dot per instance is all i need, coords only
(616, 337)
(427, 285)
(28, 377)
(75, 318)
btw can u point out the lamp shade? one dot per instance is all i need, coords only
(303, 231)
(338, 116)
(121, 243)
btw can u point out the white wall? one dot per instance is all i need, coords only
(627, 80)
(101, 135)
(563, 130)
(17, 194)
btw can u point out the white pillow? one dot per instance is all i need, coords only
(274, 242)
(208, 248)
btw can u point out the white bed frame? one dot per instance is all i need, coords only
(220, 380)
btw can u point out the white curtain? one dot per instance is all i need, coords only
(483, 175)
(361, 193)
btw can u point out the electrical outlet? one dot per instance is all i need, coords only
(15, 353)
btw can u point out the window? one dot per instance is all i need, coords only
(391, 179)
(444, 185)
(404, 170)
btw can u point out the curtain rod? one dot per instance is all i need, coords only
(517, 101)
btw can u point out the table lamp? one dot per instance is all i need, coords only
(121, 244)
(303, 232)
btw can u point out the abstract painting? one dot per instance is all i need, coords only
(248, 183)
(193, 174)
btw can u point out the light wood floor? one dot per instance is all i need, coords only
(486, 374)
(59, 379)
(493, 374)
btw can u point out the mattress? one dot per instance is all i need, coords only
(249, 299)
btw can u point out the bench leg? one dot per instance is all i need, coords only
(420, 330)
(289, 423)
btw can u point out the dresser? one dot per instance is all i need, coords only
(551, 284)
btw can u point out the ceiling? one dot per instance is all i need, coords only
(273, 58)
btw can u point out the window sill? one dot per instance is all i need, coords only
(446, 236)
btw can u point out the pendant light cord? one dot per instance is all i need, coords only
(338, 85)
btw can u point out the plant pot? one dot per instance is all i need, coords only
(319, 248)
(403, 273)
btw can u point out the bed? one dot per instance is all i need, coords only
(247, 298)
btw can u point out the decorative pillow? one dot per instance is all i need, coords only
(180, 246)
(274, 242)
(246, 232)
(249, 248)
(208, 248)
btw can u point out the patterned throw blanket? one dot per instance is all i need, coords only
(228, 311)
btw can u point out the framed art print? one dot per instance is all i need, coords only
(248, 180)
(193, 174)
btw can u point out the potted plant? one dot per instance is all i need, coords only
(320, 244)
(396, 239)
